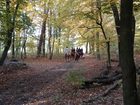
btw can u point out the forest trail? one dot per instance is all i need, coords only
(38, 84)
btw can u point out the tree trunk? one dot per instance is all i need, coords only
(117, 23)
(49, 42)
(0, 47)
(92, 44)
(52, 50)
(59, 40)
(7, 46)
(23, 50)
(90, 48)
(13, 46)
(41, 45)
(100, 23)
(108, 55)
(10, 28)
(18, 46)
(108, 48)
(127, 54)
(97, 46)
(87, 47)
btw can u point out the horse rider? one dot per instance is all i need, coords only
(67, 53)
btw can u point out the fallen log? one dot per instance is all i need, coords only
(114, 60)
(108, 80)
(103, 79)
(104, 93)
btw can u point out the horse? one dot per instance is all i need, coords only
(72, 55)
(81, 53)
(78, 54)
(67, 54)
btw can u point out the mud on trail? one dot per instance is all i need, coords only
(43, 83)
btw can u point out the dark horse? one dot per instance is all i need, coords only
(77, 54)
(72, 53)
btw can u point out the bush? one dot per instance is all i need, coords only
(75, 78)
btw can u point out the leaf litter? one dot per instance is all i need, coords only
(44, 83)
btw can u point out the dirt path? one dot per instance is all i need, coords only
(23, 87)
(34, 84)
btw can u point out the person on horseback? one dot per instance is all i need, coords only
(73, 53)
(77, 54)
(67, 53)
(81, 52)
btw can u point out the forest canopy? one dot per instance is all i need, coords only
(54, 24)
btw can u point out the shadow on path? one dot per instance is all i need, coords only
(25, 89)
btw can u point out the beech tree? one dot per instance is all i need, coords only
(10, 25)
(10, 12)
(126, 52)
(41, 44)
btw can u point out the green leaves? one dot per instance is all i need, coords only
(75, 78)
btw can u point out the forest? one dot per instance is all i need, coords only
(69, 52)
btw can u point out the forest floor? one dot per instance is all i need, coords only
(46, 82)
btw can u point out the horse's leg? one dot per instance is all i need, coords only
(76, 56)
(73, 56)
(69, 57)
(65, 57)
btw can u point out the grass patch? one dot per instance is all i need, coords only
(75, 78)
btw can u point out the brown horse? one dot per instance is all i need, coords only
(67, 54)
(67, 57)
(73, 54)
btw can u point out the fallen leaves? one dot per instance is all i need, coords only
(44, 82)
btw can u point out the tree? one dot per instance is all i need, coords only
(99, 22)
(10, 24)
(11, 12)
(126, 53)
(26, 29)
(98, 46)
(117, 22)
(41, 44)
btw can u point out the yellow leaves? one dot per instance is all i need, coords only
(71, 16)
(29, 7)
(31, 43)
(111, 1)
